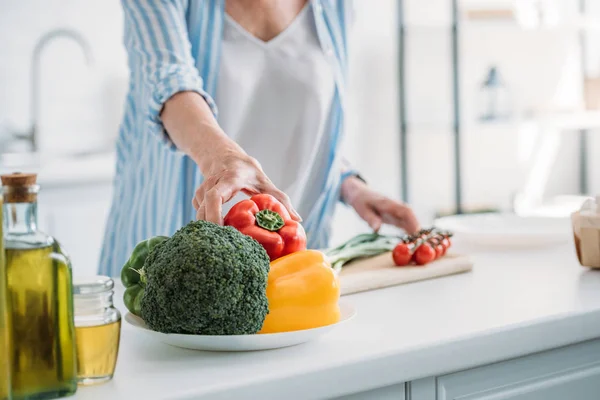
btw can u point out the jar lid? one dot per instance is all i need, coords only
(92, 285)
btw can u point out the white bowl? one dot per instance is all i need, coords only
(507, 230)
(265, 341)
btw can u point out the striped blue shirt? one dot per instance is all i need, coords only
(174, 46)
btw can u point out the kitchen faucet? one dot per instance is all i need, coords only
(32, 135)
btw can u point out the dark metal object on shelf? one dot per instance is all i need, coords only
(494, 98)
(402, 103)
(456, 98)
(456, 104)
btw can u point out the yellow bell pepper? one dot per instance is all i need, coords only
(303, 293)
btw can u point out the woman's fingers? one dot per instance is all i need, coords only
(399, 215)
(202, 189)
(246, 177)
(369, 215)
(376, 210)
(287, 203)
(266, 186)
(213, 203)
(201, 212)
(411, 224)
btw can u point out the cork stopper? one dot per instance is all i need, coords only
(19, 187)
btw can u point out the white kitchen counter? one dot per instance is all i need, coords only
(63, 171)
(512, 304)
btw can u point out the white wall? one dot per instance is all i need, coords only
(82, 106)
(541, 68)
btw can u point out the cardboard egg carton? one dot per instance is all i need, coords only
(586, 231)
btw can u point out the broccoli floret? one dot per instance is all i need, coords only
(206, 280)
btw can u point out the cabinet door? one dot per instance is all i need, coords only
(393, 392)
(76, 217)
(568, 373)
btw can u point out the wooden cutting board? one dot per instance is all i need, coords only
(379, 272)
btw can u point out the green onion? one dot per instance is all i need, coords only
(361, 246)
(373, 244)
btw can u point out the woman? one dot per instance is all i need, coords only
(276, 69)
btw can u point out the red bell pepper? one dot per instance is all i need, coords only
(265, 219)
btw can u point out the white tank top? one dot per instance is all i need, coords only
(274, 100)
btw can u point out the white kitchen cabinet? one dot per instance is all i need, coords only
(392, 392)
(76, 216)
(571, 373)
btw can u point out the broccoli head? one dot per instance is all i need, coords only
(207, 280)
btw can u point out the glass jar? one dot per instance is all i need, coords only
(97, 329)
(40, 300)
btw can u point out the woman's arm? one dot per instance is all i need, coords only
(226, 167)
(193, 128)
(170, 92)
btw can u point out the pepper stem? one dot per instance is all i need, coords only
(269, 220)
(142, 274)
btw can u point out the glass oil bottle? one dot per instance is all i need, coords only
(5, 385)
(40, 299)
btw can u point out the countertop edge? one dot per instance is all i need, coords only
(404, 366)
(65, 171)
(69, 183)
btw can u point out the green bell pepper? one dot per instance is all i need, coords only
(133, 276)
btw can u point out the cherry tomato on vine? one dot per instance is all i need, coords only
(439, 250)
(402, 254)
(446, 243)
(424, 254)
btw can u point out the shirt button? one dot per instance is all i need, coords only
(318, 7)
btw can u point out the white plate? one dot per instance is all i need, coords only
(265, 341)
(507, 230)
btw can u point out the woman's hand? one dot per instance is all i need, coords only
(229, 171)
(377, 209)
(226, 167)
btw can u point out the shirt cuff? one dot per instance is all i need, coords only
(347, 174)
(167, 88)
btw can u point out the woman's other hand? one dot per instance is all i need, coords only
(377, 209)
(226, 167)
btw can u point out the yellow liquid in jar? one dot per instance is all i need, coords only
(4, 324)
(43, 334)
(97, 349)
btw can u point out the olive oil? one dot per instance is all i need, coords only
(97, 349)
(5, 385)
(40, 299)
(39, 290)
(97, 329)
